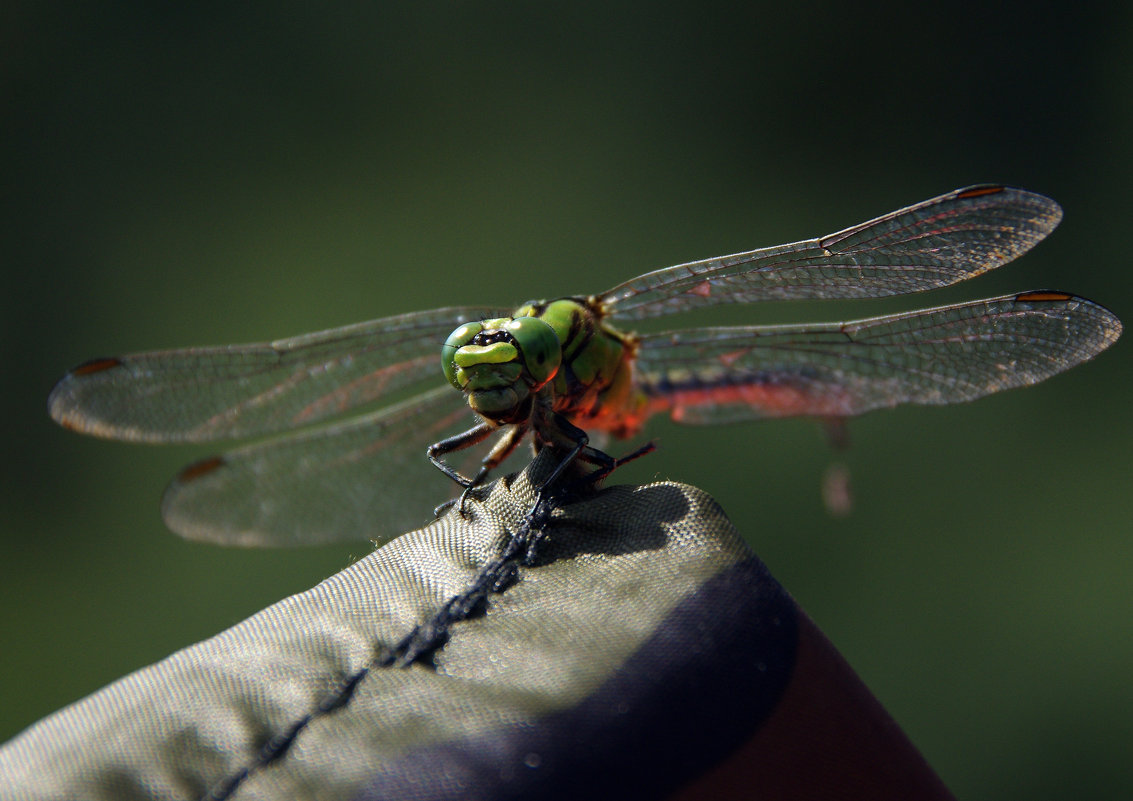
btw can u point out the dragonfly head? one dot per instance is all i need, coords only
(499, 364)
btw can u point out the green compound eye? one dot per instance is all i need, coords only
(456, 340)
(542, 352)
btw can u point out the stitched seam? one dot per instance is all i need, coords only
(418, 645)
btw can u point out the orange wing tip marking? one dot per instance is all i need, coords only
(1043, 295)
(96, 366)
(977, 191)
(199, 469)
(70, 423)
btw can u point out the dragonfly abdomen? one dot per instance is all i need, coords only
(696, 398)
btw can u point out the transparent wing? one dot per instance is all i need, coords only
(199, 394)
(362, 478)
(932, 244)
(934, 356)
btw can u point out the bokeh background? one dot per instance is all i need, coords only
(180, 174)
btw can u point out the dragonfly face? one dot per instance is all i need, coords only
(501, 363)
(555, 369)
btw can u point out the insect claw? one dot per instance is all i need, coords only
(463, 499)
(444, 507)
(600, 473)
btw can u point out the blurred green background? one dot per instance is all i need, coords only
(182, 174)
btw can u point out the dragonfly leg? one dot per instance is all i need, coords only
(605, 470)
(458, 442)
(578, 440)
(566, 433)
(503, 448)
(580, 449)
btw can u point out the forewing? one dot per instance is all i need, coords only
(364, 478)
(932, 244)
(200, 394)
(934, 356)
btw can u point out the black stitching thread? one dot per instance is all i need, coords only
(420, 644)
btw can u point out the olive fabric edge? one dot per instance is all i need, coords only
(713, 670)
(625, 645)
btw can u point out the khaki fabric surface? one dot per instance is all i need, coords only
(312, 697)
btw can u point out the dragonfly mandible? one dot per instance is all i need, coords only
(554, 369)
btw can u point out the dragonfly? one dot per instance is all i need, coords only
(556, 371)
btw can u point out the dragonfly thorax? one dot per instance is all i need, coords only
(501, 363)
